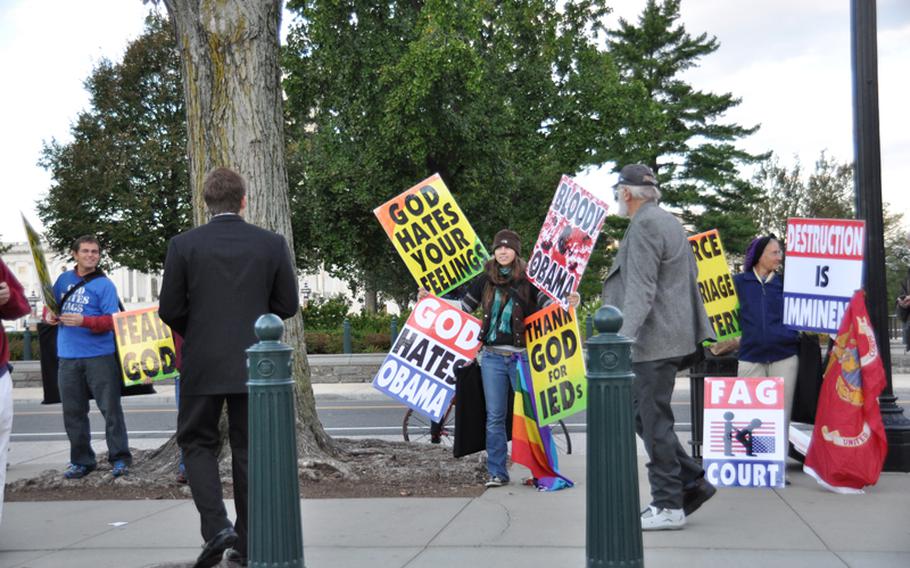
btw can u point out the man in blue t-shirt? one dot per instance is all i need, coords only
(88, 360)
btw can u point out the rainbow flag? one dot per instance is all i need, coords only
(533, 446)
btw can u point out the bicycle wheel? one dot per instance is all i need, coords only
(561, 437)
(416, 427)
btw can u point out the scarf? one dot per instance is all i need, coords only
(501, 321)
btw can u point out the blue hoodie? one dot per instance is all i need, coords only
(761, 315)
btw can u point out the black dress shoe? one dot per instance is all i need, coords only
(696, 496)
(214, 549)
(237, 557)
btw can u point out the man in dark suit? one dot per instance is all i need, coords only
(218, 279)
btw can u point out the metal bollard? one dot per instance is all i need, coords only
(589, 327)
(346, 337)
(275, 529)
(393, 329)
(613, 523)
(27, 344)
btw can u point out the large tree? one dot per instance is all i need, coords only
(679, 131)
(229, 52)
(825, 192)
(124, 175)
(500, 98)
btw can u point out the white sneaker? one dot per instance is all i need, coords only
(496, 481)
(654, 519)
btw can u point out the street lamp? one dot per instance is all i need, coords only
(305, 294)
(27, 334)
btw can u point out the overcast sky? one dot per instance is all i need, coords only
(788, 60)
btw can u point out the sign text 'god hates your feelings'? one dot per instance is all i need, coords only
(566, 240)
(433, 236)
(420, 369)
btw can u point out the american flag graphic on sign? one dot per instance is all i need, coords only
(762, 438)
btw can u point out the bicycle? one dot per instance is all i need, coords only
(418, 428)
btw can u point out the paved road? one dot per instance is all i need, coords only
(340, 417)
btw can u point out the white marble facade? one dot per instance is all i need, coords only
(138, 289)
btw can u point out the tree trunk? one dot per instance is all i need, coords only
(232, 84)
(370, 300)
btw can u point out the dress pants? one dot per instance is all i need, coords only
(199, 440)
(787, 368)
(670, 468)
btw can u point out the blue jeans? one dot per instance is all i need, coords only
(498, 372)
(98, 377)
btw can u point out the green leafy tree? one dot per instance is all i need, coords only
(500, 98)
(826, 192)
(124, 175)
(678, 130)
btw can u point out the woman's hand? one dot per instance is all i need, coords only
(422, 293)
(574, 299)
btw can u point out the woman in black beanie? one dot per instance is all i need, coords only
(767, 348)
(506, 297)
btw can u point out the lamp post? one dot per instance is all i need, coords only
(868, 182)
(305, 295)
(27, 334)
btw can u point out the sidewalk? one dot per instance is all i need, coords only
(799, 526)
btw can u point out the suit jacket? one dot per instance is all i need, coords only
(218, 279)
(653, 282)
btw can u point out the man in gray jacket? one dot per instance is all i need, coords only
(653, 282)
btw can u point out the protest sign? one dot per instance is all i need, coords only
(823, 267)
(566, 240)
(559, 384)
(433, 236)
(44, 275)
(145, 347)
(745, 443)
(715, 284)
(420, 369)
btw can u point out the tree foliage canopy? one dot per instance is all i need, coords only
(123, 177)
(500, 98)
(678, 131)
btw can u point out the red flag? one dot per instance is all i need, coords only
(848, 445)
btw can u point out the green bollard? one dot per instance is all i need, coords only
(27, 344)
(589, 327)
(613, 523)
(275, 531)
(346, 337)
(393, 329)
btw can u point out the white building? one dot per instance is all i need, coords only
(138, 289)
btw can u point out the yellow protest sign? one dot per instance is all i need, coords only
(44, 275)
(558, 377)
(145, 346)
(433, 236)
(715, 284)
